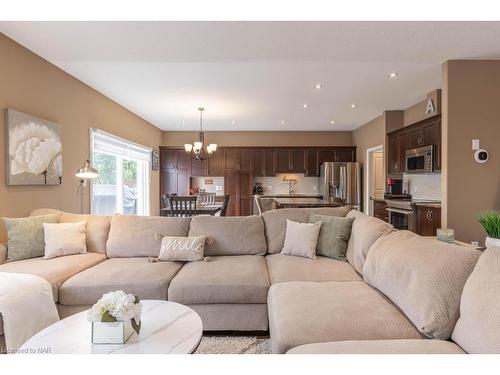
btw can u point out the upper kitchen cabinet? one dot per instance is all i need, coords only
(270, 163)
(345, 154)
(238, 160)
(199, 168)
(283, 161)
(342, 154)
(312, 163)
(424, 133)
(298, 161)
(291, 160)
(215, 165)
(397, 144)
(174, 159)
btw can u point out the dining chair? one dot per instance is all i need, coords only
(182, 206)
(258, 203)
(225, 203)
(206, 198)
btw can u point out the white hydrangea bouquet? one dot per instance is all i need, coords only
(115, 317)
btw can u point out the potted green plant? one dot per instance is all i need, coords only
(490, 221)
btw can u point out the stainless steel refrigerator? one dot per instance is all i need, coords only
(341, 182)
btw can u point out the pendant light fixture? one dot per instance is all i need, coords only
(199, 150)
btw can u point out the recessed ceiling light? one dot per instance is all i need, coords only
(393, 74)
(353, 105)
(318, 86)
(306, 105)
(332, 122)
(283, 122)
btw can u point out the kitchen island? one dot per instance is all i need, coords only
(303, 203)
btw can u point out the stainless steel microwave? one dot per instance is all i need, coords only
(420, 160)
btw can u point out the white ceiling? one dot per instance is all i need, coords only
(258, 73)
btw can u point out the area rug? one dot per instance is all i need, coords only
(233, 345)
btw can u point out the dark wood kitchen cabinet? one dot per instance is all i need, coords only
(424, 133)
(239, 187)
(397, 144)
(199, 168)
(428, 220)
(380, 210)
(175, 170)
(298, 161)
(312, 164)
(282, 161)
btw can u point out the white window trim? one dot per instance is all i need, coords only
(119, 176)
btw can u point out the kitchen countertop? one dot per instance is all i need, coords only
(423, 203)
(289, 196)
(304, 202)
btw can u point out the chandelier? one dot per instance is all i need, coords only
(199, 150)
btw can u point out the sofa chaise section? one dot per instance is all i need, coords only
(228, 292)
(312, 312)
(57, 270)
(145, 279)
(414, 346)
(283, 268)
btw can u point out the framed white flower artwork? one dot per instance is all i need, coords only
(34, 150)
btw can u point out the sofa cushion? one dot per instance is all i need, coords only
(309, 312)
(301, 239)
(424, 277)
(137, 236)
(364, 232)
(25, 236)
(333, 236)
(224, 279)
(97, 227)
(144, 279)
(57, 270)
(380, 347)
(231, 235)
(283, 268)
(478, 328)
(275, 222)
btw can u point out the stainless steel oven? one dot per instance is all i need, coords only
(420, 160)
(401, 214)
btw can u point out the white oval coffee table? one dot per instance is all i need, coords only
(167, 328)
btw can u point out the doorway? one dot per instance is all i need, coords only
(375, 177)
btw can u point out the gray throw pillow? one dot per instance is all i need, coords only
(333, 236)
(26, 237)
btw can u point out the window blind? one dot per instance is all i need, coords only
(111, 144)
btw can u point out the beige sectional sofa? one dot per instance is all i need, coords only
(246, 285)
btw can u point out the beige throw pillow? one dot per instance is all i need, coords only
(186, 249)
(65, 239)
(301, 239)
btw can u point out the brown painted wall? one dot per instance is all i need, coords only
(417, 112)
(246, 138)
(471, 92)
(31, 84)
(369, 135)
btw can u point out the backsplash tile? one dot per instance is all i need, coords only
(424, 186)
(275, 185)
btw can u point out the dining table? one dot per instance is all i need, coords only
(208, 209)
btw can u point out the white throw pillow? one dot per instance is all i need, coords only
(301, 239)
(65, 239)
(186, 249)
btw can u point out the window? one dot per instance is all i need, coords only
(124, 175)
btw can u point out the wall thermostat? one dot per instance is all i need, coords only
(481, 156)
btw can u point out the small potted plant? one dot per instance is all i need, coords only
(490, 221)
(115, 317)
